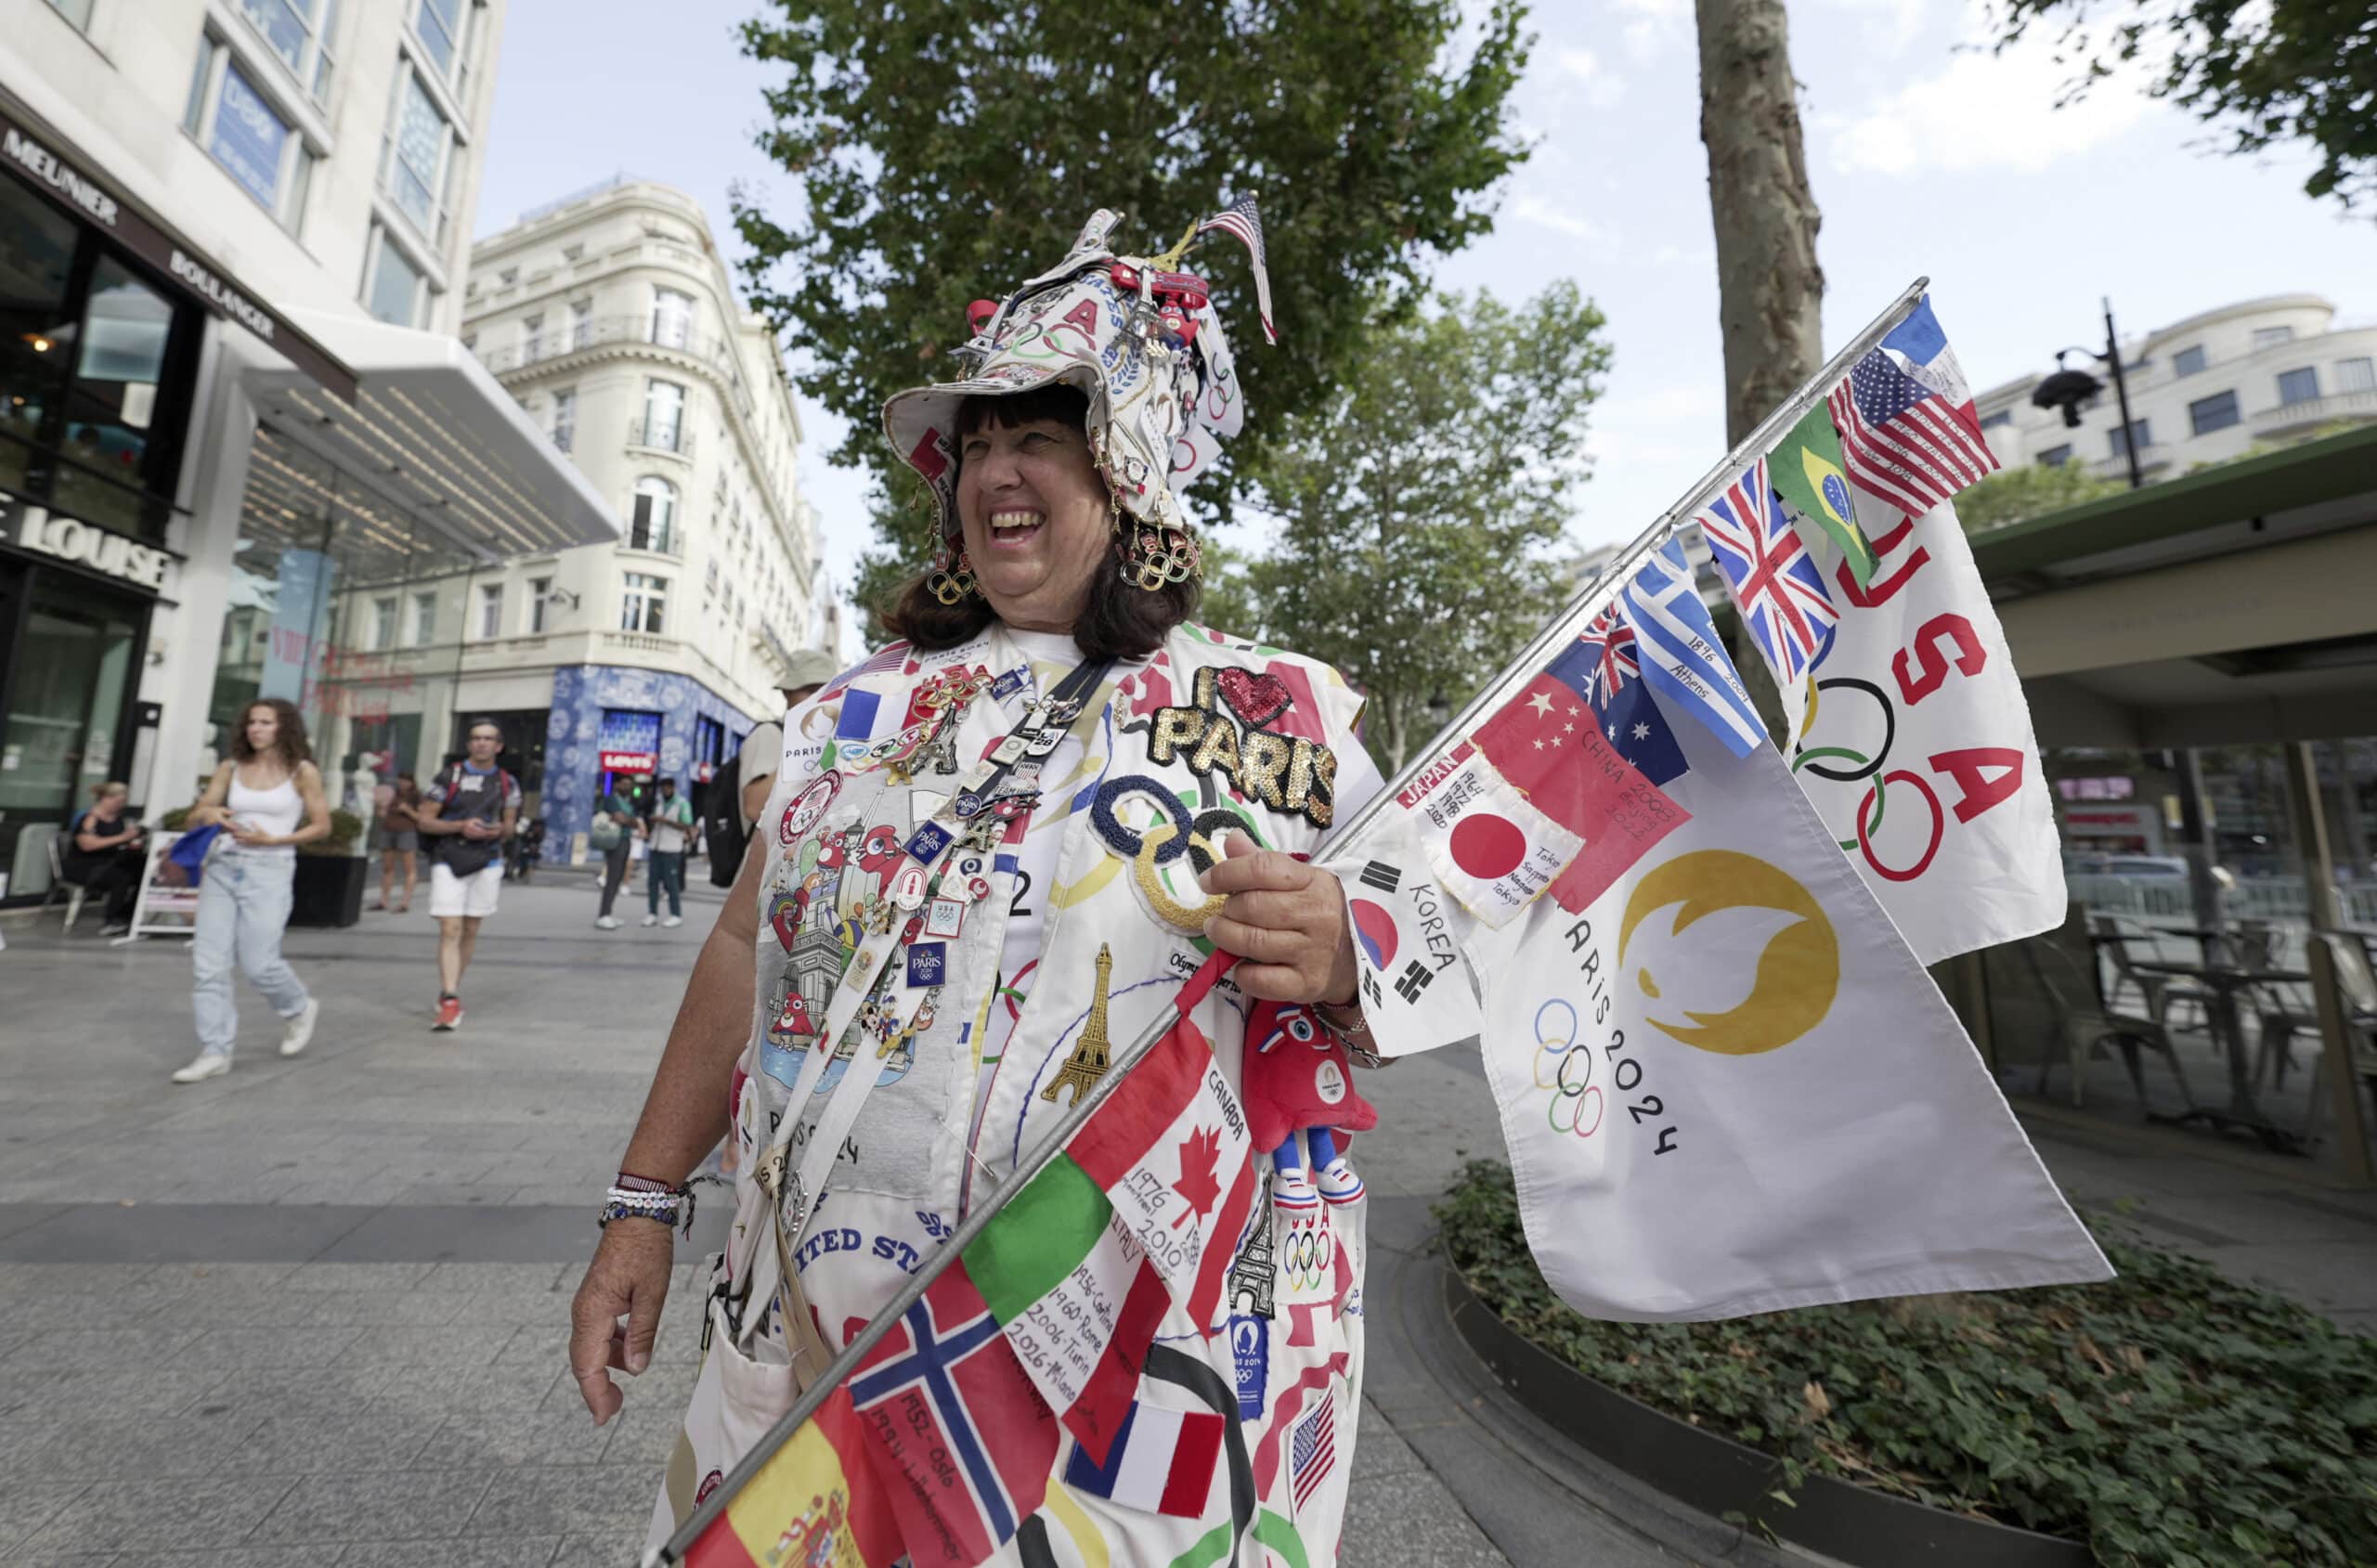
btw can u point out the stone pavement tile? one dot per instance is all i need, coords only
(643, 1434)
(1378, 1450)
(268, 1347)
(222, 1276)
(26, 1506)
(600, 1551)
(27, 1315)
(2316, 1273)
(2258, 1217)
(499, 1278)
(449, 1391)
(64, 1446)
(225, 1306)
(348, 1279)
(587, 1501)
(273, 1390)
(315, 1438)
(449, 1344)
(1407, 1519)
(535, 1343)
(62, 1560)
(669, 1387)
(444, 1193)
(516, 1552)
(487, 1438)
(394, 1306)
(379, 1505)
(199, 1511)
(248, 1554)
(521, 1308)
(99, 1349)
(125, 1390)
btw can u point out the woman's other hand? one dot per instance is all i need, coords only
(628, 1278)
(1286, 922)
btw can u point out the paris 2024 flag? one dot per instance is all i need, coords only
(1727, 1085)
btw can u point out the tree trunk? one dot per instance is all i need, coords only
(1770, 289)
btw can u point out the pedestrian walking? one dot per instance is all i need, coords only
(616, 823)
(468, 810)
(267, 799)
(930, 995)
(106, 854)
(672, 826)
(763, 755)
(398, 840)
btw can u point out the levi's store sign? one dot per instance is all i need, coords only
(31, 526)
(629, 762)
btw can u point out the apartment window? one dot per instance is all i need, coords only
(2356, 375)
(490, 609)
(298, 32)
(531, 328)
(2142, 429)
(581, 324)
(646, 599)
(76, 11)
(540, 592)
(664, 414)
(418, 144)
(2056, 457)
(253, 142)
(710, 576)
(2188, 361)
(384, 623)
(397, 292)
(655, 515)
(672, 318)
(2298, 386)
(565, 417)
(440, 24)
(1993, 422)
(424, 619)
(2271, 337)
(2215, 412)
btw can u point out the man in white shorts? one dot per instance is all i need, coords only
(468, 812)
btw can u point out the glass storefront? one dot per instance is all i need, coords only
(62, 731)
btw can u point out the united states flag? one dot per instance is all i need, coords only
(1773, 578)
(1904, 441)
(1313, 1450)
(1240, 221)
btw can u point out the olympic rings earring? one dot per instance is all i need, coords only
(952, 580)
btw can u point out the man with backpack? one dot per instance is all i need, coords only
(468, 812)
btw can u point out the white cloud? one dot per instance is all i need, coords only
(1542, 212)
(1600, 90)
(1986, 112)
(1899, 20)
(1668, 405)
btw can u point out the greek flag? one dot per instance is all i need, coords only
(1682, 658)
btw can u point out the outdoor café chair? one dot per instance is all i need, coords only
(2084, 1030)
(58, 882)
(2157, 993)
(2357, 989)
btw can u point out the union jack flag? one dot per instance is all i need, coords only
(1243, 223)
(1608, 642)
(1312, 1452)
(1773, 578)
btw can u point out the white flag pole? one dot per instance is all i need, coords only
(1571, 620)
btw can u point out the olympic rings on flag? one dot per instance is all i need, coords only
(1571, 1085)
(1306, 1256)
(1866, 768)
(1865, 828)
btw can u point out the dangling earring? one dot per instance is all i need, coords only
(952, 580)
(1155, 556)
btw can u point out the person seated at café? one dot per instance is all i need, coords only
(106, 854)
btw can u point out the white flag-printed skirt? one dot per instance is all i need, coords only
(964, 1057)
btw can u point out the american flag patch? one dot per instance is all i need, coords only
(1312, 1451)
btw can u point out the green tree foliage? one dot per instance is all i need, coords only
(1421, 505)
(2266, 72)
(949, 150)
(2010, 494)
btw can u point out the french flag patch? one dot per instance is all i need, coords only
(1162, 1461)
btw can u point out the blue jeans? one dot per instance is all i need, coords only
(668, 870)
(242, 907)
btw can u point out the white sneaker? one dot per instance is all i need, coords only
(675, 920)
(298, 1033)
(652, 920)
(210, 1064)
(606, 923)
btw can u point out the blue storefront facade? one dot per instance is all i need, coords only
(607, 720)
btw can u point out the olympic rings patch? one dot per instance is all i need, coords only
(1574, 1093)
(1308, 1255)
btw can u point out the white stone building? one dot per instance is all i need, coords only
(2201, 391)
(609, 314)
(232, 236)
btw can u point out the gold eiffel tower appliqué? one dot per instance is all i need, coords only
(1087, 1064)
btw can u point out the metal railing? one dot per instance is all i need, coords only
(605, 331)
(2273, 897)
(2354, 405)
(661, 436)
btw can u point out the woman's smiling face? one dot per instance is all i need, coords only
(1032, 512)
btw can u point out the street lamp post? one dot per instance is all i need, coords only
(2111, 357)
(2069, 390)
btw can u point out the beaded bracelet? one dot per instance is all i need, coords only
(673, 1207)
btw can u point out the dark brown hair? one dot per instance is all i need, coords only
(288, 741)
(1118, 622)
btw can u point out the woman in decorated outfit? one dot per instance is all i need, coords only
(994, 852)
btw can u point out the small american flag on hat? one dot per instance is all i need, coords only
(1242, 221)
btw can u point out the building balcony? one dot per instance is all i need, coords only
(2291, 418)
(657, 436)
(612, 332)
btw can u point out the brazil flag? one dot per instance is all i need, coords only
(1805, 469)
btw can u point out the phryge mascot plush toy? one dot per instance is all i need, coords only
(1299, 1089)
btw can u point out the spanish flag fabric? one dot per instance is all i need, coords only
(814, 1504)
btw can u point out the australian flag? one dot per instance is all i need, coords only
(1604, 667)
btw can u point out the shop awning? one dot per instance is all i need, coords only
(432, 434)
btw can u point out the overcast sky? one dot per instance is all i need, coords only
(1926, 157)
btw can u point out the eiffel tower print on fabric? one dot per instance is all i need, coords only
(1249, 1277)
(1087, 1064)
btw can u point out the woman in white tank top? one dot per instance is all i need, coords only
(267, 799)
